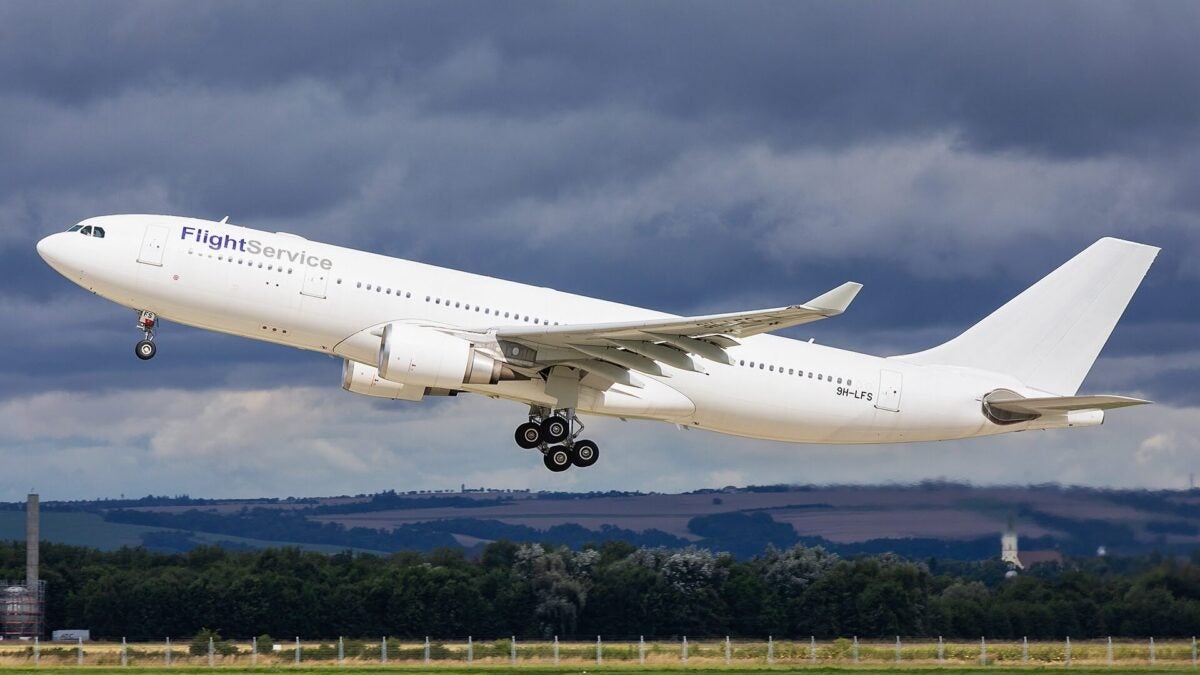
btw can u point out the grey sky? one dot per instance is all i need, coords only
(684, 156)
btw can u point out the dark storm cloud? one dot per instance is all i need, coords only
(1060, 78)
(685, 156)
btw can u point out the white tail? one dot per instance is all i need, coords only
(1049, 336)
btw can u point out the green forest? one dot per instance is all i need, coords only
(613, 589)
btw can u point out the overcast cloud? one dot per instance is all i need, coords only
(688, 157)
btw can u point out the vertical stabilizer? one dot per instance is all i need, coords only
(1049, 336)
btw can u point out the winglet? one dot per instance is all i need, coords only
(837, 300)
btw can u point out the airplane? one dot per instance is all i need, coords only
(407, 330)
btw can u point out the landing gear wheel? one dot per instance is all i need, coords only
(585, 453)
(555, 429)
(557, 459)
(529, 435)
(145, 350)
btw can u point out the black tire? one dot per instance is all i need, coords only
(529, 435)
(584, 454)
(557, 459)
(145, 350)
(555, 429)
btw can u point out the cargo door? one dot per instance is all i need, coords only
(315, 282)
(153, 243)
(890, 384)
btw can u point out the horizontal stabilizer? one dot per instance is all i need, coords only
(1058, 405)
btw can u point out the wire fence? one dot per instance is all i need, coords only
(683, 652)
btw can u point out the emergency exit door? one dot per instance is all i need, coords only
(153, 243)
(890, 385)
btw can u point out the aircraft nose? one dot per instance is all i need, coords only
(47, 248)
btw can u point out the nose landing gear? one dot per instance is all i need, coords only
(145, 348)
(554, 433)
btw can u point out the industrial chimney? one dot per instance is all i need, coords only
(32, 537)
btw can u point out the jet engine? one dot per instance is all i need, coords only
(422, 357)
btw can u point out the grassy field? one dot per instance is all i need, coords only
(617, 657)
(611, 670)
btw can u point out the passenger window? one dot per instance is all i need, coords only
(820, 377)
(506, 315)
(839, 380)
(742, 362)
(789, 371)
(456, 305)
(751, 364)
(772, 369)
(849, 383)
(761, 366)
(810, 374)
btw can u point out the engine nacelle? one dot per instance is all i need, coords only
(422, 357)
(359, 378)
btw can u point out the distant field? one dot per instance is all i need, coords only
(91, 530)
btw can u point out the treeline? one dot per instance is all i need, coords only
(613, 589)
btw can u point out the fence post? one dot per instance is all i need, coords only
(1151, 651)
(642, 649)
(1193, 651)
(297, 649)
(512, 656)
(341, 650)
(167, 654)
(812, 649)
(210, 651)
(1068, 651)
(1109, 652)
(983, 650)
(37, 651)
(727, 650)
(770, 649)
(854, 650)
(79, 652)
(426, 655)
(556, 650)
(941, 651)
(685, 649)
(599, 651)
(470, 650)
(125, 652)
(897, 649)
(383, 650)
(253, 650)
(1025, 649)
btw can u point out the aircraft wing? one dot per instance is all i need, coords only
(610, 349)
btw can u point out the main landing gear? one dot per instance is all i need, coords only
(554, 433)
(145, 348)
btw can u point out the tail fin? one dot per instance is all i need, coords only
(1049, 336)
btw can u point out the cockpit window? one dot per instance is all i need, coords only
(98, 232)
(87, 231)
(76, 228)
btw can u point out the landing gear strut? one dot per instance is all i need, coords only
(554, 434)
(145, 348)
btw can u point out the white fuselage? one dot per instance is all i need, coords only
(287, 290)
